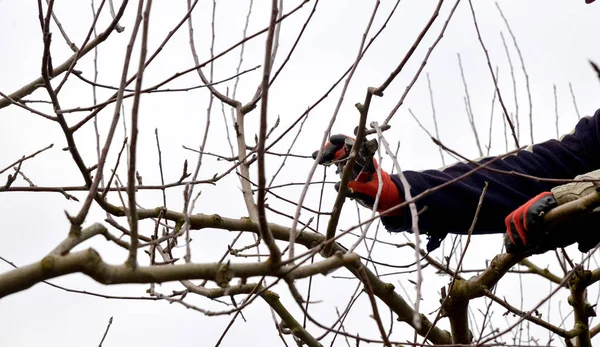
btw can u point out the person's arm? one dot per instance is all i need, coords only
(452, 208)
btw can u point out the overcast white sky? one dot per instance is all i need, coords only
(557, 38)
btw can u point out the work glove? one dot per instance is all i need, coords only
(364, 182)
(525, 231)
(524, 226)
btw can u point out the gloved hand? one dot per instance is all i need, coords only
(524, 226)
(364, 182)
(524, 229)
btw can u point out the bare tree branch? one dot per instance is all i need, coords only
(31, 87)
(275, 253)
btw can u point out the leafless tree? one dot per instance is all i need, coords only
(140, 189)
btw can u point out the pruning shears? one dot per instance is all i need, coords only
(363, 169)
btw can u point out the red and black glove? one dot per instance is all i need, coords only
(364, 181)
(524, 226)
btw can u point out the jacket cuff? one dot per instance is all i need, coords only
(402, 221)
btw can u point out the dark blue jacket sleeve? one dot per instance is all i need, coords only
(452, 208)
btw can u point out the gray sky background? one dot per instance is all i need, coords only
(557, 38)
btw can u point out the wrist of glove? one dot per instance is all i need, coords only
(365, 193)
(365, 182)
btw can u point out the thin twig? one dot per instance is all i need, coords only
(595, 68)
(527, 86)
(118, 27)
(288, 153)
(489, 146)
(514, 85)
(22, 105)
(376, 316)
(435, 123)
(310, 280)
(24, 158)
(539, 271)
(469, 109)
(487, 56)
(149, 90)
(94, 93)
(574, 101)
(423, 62)
(555, 110)
(77, 54)
(459, 325)
(63, 32)
(110, 321)
(300, 34)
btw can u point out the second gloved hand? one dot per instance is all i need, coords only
(526, 232)
(524, 226)
(363, 187)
